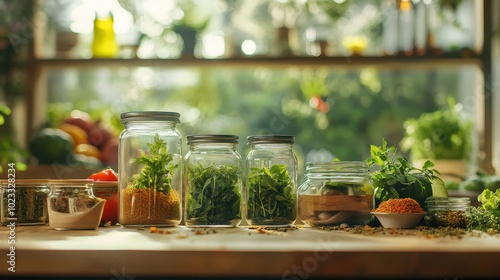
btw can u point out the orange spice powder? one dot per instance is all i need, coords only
(399, 205)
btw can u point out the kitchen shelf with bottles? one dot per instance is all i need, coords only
(479, 58)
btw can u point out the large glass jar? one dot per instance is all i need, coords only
(213, 175)
(271, 181)
(336, 193)
(149, 169)
(24, 201)
(72, 205)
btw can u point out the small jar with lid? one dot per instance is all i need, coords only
(447, 212)
(336, 193)
(72, 205)
(107, 190)
(24, 201)
(213, 176)
(149, 169)
(271, 181)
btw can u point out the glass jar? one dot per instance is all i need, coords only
(149, 169)
(213, 175)
(271, 181)
(72, 205)
(447, 212)
(24, 202)
(336, 193)
(109, 192)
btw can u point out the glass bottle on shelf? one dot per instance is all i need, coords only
(271, 181)
(149, 169)
(213, 181)
(335, 193)
(390, 27)
(104, 42)
(406, 30)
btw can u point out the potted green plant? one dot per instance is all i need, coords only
(443, 136)
(189, 26)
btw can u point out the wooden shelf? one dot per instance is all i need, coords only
(346, 62)
(244, 252)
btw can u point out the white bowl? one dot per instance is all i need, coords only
(399, 220)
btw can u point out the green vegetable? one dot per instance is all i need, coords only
(473, 183)
(397, 178)
(157, 167)
(271, 196)
(490, 201)
(213, 194)
(51, 145)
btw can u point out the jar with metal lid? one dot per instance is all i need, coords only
(447, 212)
(149, 169)
(72, 205)
(271, 181)
(213, 186)
(336, 193)
(24, 202)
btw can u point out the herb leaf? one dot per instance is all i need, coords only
(213, 194)
(271, 196)
(157, 167)
(397, 178)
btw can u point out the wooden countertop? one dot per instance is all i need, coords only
(296, 254)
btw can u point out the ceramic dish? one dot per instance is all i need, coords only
(399, 220)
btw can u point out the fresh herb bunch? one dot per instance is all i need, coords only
(271, 196)
(213, 194)
(157, 167)
(486, 217)
(397, 178)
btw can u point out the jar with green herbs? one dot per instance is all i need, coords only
(149, 169)
(271, 181)
(447, 212)
(334, 193)
(213, 176)
(24, 201)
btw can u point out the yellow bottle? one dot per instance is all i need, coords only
(104, 44)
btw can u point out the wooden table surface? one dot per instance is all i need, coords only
(303, 253)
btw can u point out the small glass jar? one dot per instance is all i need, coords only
(213, 186)
(109, 192)
(24, 202)
(336, 193)
(149, 169)
(447, 212)
(271, 181)
(72, 205)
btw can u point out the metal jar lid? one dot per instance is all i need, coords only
(150, 116)
(271, 139)
(212, 138)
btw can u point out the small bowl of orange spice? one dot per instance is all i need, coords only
(399, 213)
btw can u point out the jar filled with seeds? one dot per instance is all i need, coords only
(336, 193)
(213, 176)
(447, 212)
(24, 201)
(271, 181)
(72, 205)
(149, 169)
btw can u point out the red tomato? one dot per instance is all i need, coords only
(110, 212)
(107, 174)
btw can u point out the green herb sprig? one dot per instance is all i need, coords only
(213, 194)
(397, 178)
(271, 196)
(157, 167)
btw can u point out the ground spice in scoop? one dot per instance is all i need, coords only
(399, 205)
